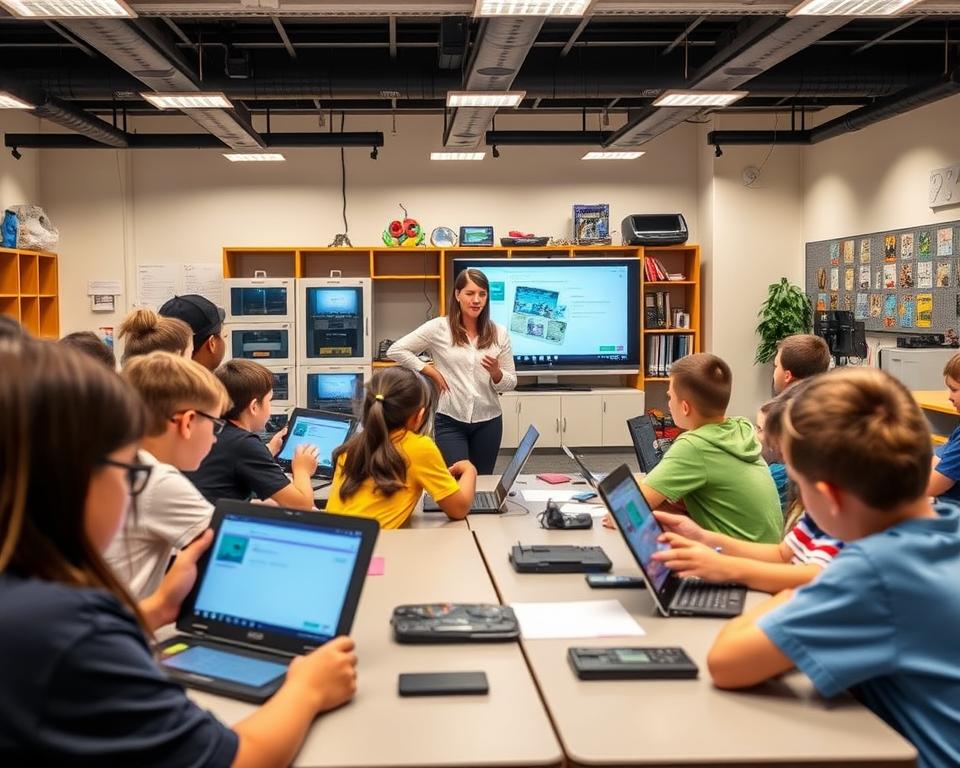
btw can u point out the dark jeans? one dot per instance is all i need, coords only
(479, 442)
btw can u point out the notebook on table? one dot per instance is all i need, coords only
(492, 502)
(275, 583)
(640, 530)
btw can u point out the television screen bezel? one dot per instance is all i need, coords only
(632, 365)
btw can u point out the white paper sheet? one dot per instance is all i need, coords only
(104, 287)
(155, 284)
(587, 618)
(206, 279)
(594, 510)
(545, 494)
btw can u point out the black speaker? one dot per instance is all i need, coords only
(654, 229)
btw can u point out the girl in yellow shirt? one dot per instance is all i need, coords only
(383, 469)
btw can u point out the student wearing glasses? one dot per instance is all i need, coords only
(183, 402)
(78, 683)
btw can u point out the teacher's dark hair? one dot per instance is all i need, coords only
(486, 332)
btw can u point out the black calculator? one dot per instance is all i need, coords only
(632, 664)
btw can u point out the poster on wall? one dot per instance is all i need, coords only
(924, 310)
(906, 245)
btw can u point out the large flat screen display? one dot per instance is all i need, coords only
(566, 314)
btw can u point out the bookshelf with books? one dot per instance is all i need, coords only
(671, 308)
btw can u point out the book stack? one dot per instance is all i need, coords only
(653, 269)
(664, 349)
(657, 312)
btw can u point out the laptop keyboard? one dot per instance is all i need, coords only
(485, 500)
(701, 596)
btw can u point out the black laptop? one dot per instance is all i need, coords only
(327, 431)
(674, 596)
(644, 438)
(275, 583)
(492, 502)
(592, 478)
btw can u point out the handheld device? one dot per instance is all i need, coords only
(453, 623)
(442, 683)
(614, 581)
(632, 664)
(327, 431)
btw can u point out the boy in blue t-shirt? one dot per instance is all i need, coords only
(884, 617)
(945, 472)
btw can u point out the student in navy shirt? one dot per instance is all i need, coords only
(884, 619)
(945, 472)
(78, 684)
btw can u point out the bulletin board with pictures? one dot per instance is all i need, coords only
(894, 281)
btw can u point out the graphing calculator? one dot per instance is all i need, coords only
(631, 664)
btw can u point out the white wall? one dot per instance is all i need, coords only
(19, 179)
(185, 205)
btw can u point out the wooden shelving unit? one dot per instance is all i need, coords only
(411, 283)
(29, 290)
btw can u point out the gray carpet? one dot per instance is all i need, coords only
(554, 460)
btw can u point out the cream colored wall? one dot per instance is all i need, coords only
(19, 179)
(185, 205)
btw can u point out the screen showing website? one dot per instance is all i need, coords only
(556, 313)
(326, 434)
(640, 528)
(278, 576)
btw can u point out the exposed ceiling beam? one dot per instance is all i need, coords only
(683, 35)
(885, 35)
(192, 140)
(76, 42)
(575, 36)
(181, 35)
(284, 37)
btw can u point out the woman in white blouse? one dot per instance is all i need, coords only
(472, 363)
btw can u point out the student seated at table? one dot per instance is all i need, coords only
(78, 683)
(714, 468)
(144, 331)
(183, 402)
(945, 471)
(711, 556)
(799, 357)
(90, 344)
(384, 468)
(240, 466)
(884, 618)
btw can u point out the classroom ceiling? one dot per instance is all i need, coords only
(334, 59)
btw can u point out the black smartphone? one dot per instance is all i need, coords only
(443, 683)
(612, 581)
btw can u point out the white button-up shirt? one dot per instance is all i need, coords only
(472, 396)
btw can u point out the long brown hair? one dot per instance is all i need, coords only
(486, 331)
(392, 397)
(63, 412)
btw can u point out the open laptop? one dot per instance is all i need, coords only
(256, 602)
(492, 502)
(674, 596)
(327, 431)
(592, 478)
(644, 438)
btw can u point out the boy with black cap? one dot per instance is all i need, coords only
(206, 321)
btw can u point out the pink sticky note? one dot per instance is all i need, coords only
(377, 566)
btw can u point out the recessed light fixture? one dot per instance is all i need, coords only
(681, 98)
(612, 155)
(851, 7)
(531, 7)
(485, 98)
(12, 102)
(457, 155)
(69, 9)
(187, 100)
(254, 157)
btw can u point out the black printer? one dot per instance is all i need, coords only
(654, 229)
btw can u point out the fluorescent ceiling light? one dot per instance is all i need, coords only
(851, 7)
(457, 155)
(254, 157)
(611, 155)
(187, 100)
(12, 102)
(531, 7)
(69, 9)
(680, 98)
(485, 98)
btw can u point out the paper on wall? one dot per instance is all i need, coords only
(206, 279)
(104, 288)
(156, 283)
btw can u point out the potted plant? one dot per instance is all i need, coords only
(785, 311)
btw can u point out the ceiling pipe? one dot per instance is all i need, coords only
(546, 138)
(192, 140)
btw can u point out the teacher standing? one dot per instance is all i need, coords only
(472, 363)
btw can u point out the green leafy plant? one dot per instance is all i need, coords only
(784, 312)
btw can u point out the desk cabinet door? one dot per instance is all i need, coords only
(543, 411)
(509, 402)
(616, 410)
(580, 421)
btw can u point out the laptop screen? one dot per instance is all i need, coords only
(587, 474)
(639, 527)
(520, 456)
(278, 576)
(327, 433)
(643, 435)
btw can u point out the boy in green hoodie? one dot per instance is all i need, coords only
(714, 468)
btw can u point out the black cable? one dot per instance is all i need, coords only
(343, 178)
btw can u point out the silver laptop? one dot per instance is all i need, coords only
(592, 478)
